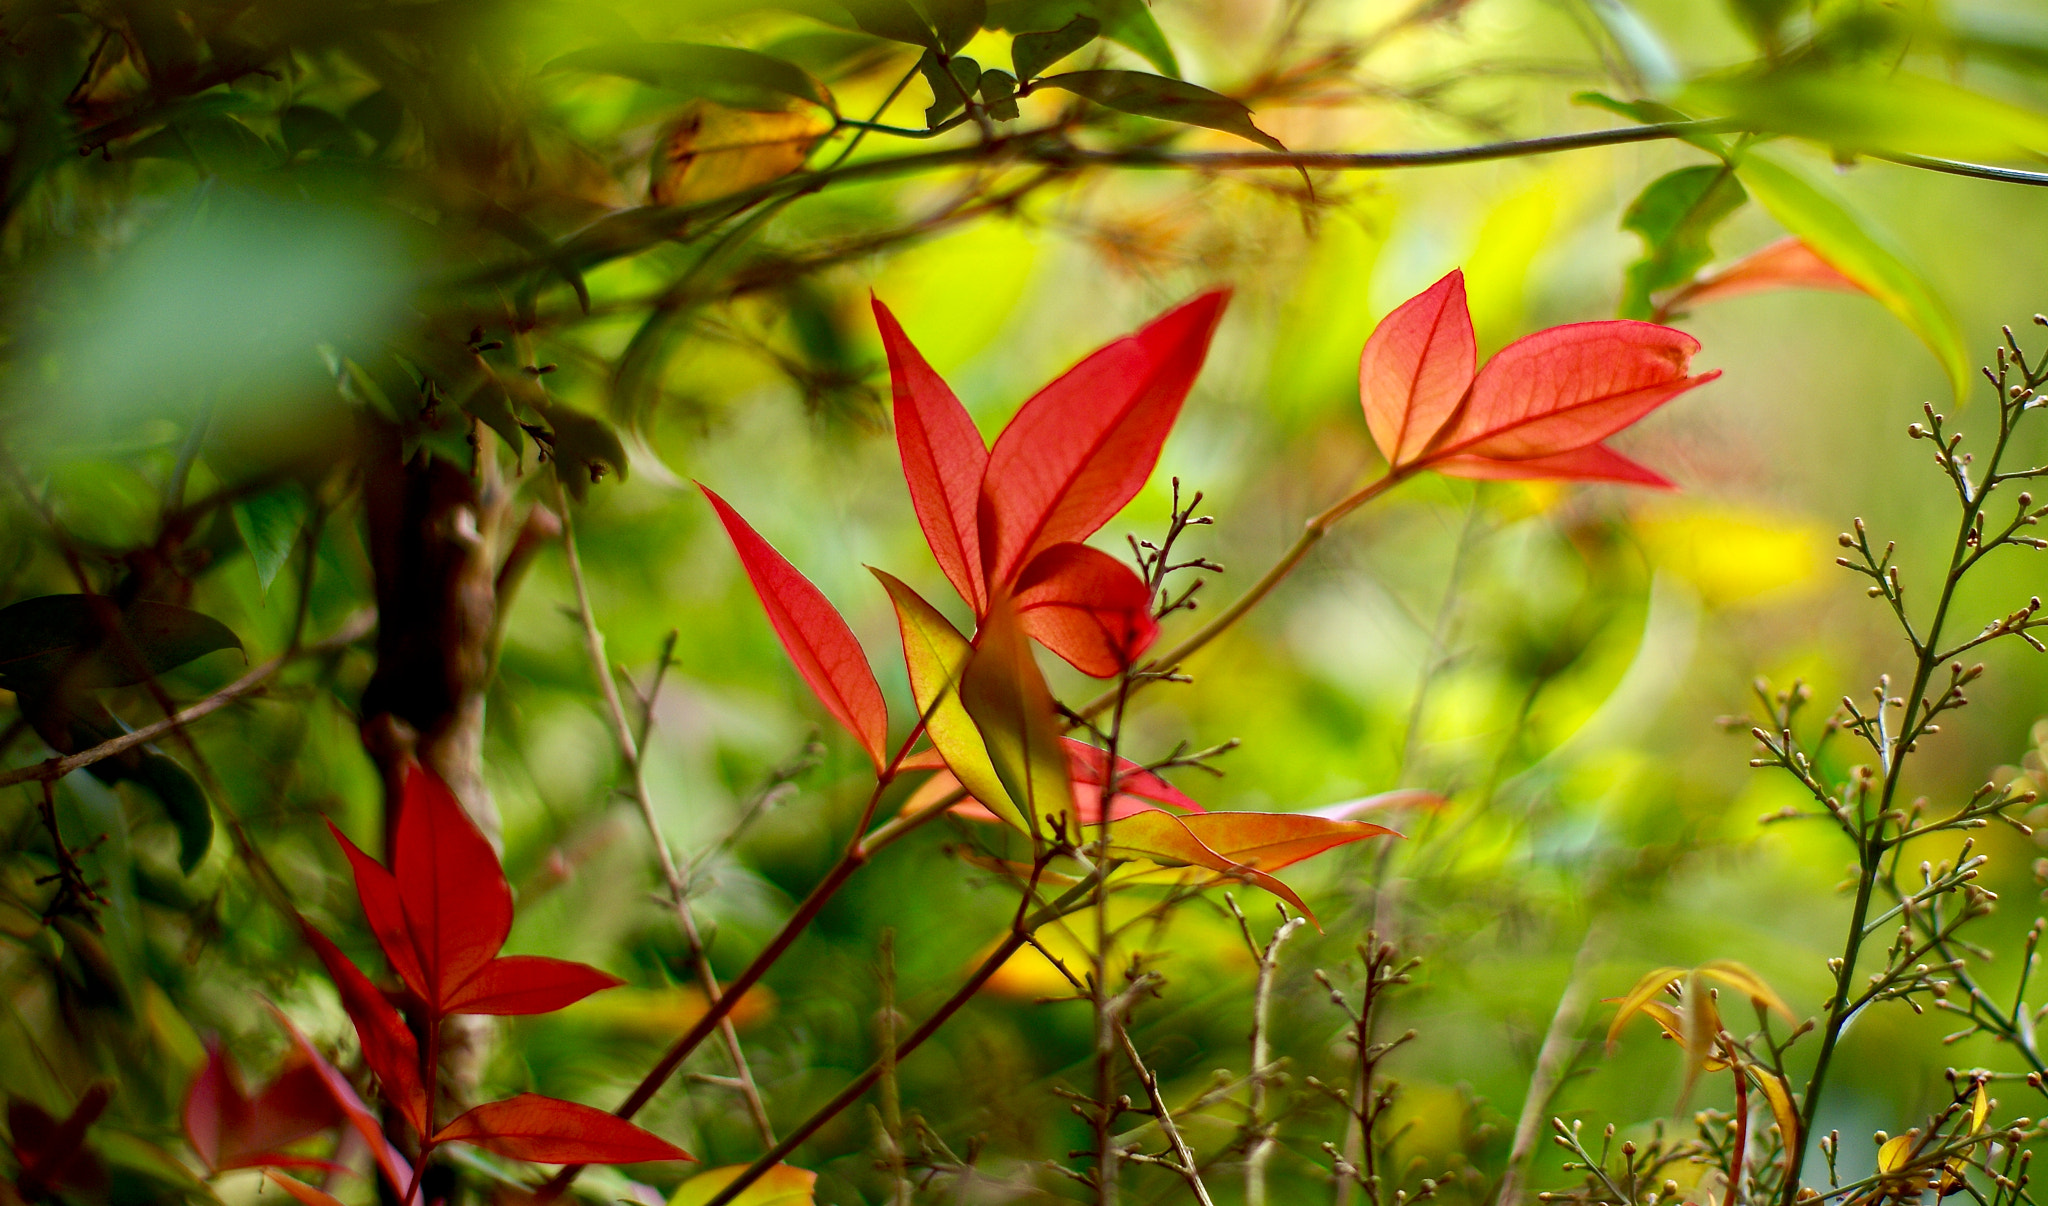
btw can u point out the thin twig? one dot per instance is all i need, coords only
(1552, 1062)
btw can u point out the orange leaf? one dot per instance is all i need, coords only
(1415, 369)
(1788, 263)
(1272, 840)
(1006, 696)
(814, 634)
(300, 1191)
(1162, 837)
(1087, 607)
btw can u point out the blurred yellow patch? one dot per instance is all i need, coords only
(1191, 938)
(661, 1012)
(712, 151)
(782, 1185)
(954, 294)
(1732, 556)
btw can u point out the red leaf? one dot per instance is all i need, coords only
(817, 639)
(1567, 387)
(1593, 463)
(524, 984)
(1084, 445)
(301, 1191)
(1137, 789)
(53, 1154)
(1162, 837)
(943, 461)
(547, 1131)
(1087, 607)
(397, 1173)
(1416, 367)
(1786, 264)
(384, 910)
(1272, 840)
(228, 1130)
(388, 1047)
(458, 907)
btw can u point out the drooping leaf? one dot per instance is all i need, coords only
(1083, 446)
(1164, 98)
(1031, 53)
(1864, 255)
(1087, 607)
(1417, 364)
(1644, 991)
(529, 984)
(730, 75)
(943, 461)
(711, 151)
(269, 524)
(782, 1185)
(89, 642)
(1161, 837)
(1676, 215)
(1787, 263)
(388, 1046)
(1783, 1111)
(458, 907)
(1593, 463)
(1012, 708)
(1127, 22)
(545, 1130)
(184, 802)
(397, 1173)
(936, 656)
(1567, 387)
(815, 636)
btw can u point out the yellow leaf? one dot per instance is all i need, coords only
(1980, 1109)
(712, 151)
(1673, 1026)
(783, 1185)
(1631, 1004)
(936, 655)
(1893, 1154)
(1748, 983)
(1005, 694)
(1782, 1109)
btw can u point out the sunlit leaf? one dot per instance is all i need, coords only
(814, 634)
(1269, 841)
(1892, 1156)
(1676, 216)
(1012, 708)
(1417, 365)
(712, 151)
(1593, 463)
(1782, 1110)
(1137, 789)
(1749, 984)
(1864, 255)
(1128, 22)
(545, 1130)
(1631, 1003)
(943, 460)
(782, 1185)
(1165, 98)
(1161, 837)
(1876, 111)
(1087, 607)
(1786, 264)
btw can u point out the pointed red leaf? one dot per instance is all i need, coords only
(547, 1131)
(1567, 387)
(388, 1047)
(525, 984)
(1087, 607)
(300, 1191)
(1416, 367)
(214, 1106)
(384, 910)
(1084, 445)
(943, 461)
(1593, 463)
(397, 1173)
(229, 1130)
(1132, 781)
(814, 634)
(1786, 264)
(458, 907)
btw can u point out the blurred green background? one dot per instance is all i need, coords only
(1552, 659)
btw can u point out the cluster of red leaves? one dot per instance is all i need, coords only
(1539, 409)
(50, 1154)
(441, 914)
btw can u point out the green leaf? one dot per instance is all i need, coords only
(1863, 254)
(308, 129)
(1127, 22)
(65, 637)
(895, 20)
(1005, 693)
(378, 115)
(956, 21)
(184, 802)
(1163, 98)
(1652, 113)
(743, 79)
(1031, 53)
(960, 78)
(936, 655)
(998, 90)
(1638, 43)
(585, 449)
(269, 523)
(1676, 216)
(1876, 113)
(215, 143)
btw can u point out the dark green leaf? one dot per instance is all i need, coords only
(311, 130)
(895, 20)
(1676, 216)
(214, 143)
(269, 523)
(957, 21)
(584, 450)
(1865, 255)
(999, 92)
(184, 802)
(1127, 22)
(743, 79)
(378, 115)
(67, 637)
(1163, 98)
(491, 405)
(1032, 53)
(949, 87)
